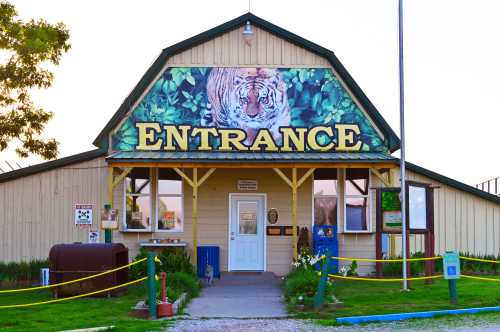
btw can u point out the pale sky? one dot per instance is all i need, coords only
(451, 65)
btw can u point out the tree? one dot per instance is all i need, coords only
(28, 47)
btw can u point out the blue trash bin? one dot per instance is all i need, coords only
(208, 255)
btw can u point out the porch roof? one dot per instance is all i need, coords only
(237, 158)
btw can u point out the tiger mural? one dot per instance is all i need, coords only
(248, 99)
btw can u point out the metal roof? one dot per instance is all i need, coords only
(296, 157)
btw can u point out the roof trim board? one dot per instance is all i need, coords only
(53, 164)
(102, 140)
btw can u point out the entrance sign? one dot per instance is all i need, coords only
(83, 214)
(247, 185)
(250, 110)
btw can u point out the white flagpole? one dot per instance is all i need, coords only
(402, 131)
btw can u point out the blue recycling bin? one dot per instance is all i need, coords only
(208, 255)
(325, 240)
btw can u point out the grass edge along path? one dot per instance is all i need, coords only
(75, 314)
(372, 298)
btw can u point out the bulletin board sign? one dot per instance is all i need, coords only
(391, 211)
(83, 214)
(109, 219)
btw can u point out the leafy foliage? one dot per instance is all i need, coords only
(301, 285)
(315, 97)
(16, 272)
(30, 46)
(171, 262)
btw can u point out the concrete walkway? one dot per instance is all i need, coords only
(240, 295)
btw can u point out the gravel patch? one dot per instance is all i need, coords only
(483, 323)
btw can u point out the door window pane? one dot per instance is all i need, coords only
(418, 208)
(138, 211)
(325, 211)
(170, 213)
(356, 213)
(247, 218)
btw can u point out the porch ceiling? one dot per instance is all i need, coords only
(250, 159)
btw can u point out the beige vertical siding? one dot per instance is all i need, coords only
(462, 221)
(230, 49)
(36, 211)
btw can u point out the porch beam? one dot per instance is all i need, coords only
(284, 177)
(184, 176)
(206, 175)
(380, 177)
(110, 184)
(305, 176)
(252, 165)
(120, 177)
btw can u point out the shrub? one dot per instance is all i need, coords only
(184, 282)
(22, 271)
(303, 284)
(170, 262)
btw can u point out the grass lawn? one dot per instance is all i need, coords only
(74, 314)
(372, 298)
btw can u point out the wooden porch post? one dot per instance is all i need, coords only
(294, 213)
(195, 217)
(294, 184)
(195, 184)
(112, 183)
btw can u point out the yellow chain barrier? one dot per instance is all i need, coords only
(479, 260)
(73, 281)
(479, 278)
(72, 297)
(386, 260)
(384, 279)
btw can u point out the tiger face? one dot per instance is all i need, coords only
(248, 99)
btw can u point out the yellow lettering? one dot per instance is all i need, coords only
(204, 137)
(232, 137)
(147, 131)
(313, 133)
(265, 138)
(178, 135)
(296, 136)
(346, 137)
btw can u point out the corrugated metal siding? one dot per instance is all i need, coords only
(36, 211)
(265, 49)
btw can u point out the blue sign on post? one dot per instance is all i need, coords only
(451, 272)
(451, 265)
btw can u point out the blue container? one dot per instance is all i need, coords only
(208, 255)
(325, 240)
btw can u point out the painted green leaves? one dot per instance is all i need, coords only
(315, 97)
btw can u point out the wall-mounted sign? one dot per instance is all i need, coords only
(247, 185)
(109, 219)
(93, 236)
(391, 211)
(272, 216)
(83, 214)
(248, 109)
(168, 219)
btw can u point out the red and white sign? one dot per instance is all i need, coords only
(83, 214)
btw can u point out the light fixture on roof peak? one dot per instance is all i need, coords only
(248, 33)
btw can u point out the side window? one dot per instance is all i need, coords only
(325, 202)
(357, 212)
(169, 203)
(138, 203)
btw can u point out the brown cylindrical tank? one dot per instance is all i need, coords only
(78, 260)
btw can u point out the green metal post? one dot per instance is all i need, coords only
(108, 233)
(320, 293)
(452, 286)
(151, 285)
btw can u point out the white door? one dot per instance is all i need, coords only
(246, 233)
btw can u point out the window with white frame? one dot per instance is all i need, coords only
(356, 202)
(325, 202)
(138, 203)
(169, 202)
